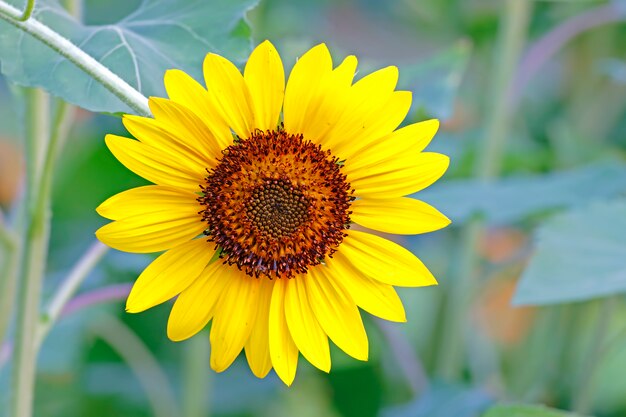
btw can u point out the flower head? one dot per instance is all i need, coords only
(254, 210)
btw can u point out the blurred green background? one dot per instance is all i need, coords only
(532, 100)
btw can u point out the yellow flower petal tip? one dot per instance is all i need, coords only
(273, 201)
(220, 366)
(266, 44)
(135, 304)
(131, 308)
(174, 335)
(433, 124)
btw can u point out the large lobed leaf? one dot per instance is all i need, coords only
(158, 35)
(513, 199)
(579, 255)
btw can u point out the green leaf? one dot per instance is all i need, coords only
(526, 411)
(579, 255)
(515, 198)
(435, 82)
(158, 35)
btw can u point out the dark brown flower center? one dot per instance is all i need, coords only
(276, 204)
(278, 209)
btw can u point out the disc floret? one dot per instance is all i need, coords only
(276, 204)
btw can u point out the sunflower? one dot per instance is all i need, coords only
(256, 186)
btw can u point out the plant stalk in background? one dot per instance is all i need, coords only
(41, 152)
(141, 361)
(512, 36)
(9, 243)
(586, 378)
(33, 254)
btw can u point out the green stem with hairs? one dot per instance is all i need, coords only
(41, 153)
(33, 254)
(64, 47)
(68, 288)
(511, 38)
(26, 14)
(41, 157)
(9, 244)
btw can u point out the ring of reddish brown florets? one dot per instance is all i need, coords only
(276, 204)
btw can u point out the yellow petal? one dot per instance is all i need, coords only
(265, 78)
(186, 91)
(151, 232)
(407, 174)
(365, 100)
(155, 134)
(258, 345)
(302, 86)
(303, 326)
(401, 216)
(385, 261)
(412, 138)
(336, 312)
(328, 102)
(376, 298)
(229, 94)
(150, 199)
(346, 70)
(283, 350)
(195, 306)
(379, 83)
(153, 164)
(375, 125)
(185, 127)
(169, 274)
(233, 319)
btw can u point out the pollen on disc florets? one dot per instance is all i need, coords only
(276, 204)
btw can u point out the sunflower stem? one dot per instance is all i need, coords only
(26, 14)
(42, 148)
(33, 254)
(64, 119)
(108, 294)
(103, 75)
(9, 244)
(141, 362)
(196, 376)
(68, 288)
(511, 39)
(586, 381)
